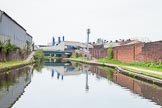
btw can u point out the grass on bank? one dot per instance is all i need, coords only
(147, 65)
(11, 63)
(142, 72)
(107, 69)
(122, 65)
(155, 66)
(109, 60)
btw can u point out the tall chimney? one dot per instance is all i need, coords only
(63, 38)
(53, 41)
(59, 40)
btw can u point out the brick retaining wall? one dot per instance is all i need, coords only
(139, 52)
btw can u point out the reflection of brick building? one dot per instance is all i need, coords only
(98, 71)
(145, 90)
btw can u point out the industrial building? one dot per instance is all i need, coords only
(11, 30)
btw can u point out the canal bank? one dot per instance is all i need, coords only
(143, 74)
(14, 66)
(6, 66)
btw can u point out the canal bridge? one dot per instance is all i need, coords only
(57, 53)
(65, 48)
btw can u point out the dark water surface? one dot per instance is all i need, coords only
(74, 85)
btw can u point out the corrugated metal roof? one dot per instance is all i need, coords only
(29, 35)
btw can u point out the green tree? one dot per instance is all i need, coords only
(39, 56)
(110, 53)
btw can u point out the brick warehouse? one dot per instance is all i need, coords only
(151, 51)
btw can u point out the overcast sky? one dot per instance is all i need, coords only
(107, 19)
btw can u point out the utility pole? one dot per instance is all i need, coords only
(88, 32)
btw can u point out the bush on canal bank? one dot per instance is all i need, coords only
(76, 55)
(38, 56)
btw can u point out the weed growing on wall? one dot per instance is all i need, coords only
(110, 53)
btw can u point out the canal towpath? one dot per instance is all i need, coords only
(30, 57)
(94, 61)
(16, 64)
(123, 69)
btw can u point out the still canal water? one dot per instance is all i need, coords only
(73, 85)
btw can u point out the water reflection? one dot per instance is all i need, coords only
(146, 90)
(87, 86)
(63, 68)
(12, 85)
(66, 68)
(76, 85)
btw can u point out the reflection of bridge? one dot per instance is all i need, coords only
(60, 69)
(57, 63)
(65, 68)
(64, 71)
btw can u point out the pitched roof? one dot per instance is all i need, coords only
(4, 13)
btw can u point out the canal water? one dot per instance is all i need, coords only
(64, 84)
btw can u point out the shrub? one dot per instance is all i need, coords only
(78, 55)
(39, 56)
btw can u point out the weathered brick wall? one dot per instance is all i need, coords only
(98, 52)
(151, 52)
(139, 52)
(124, 54)
(12, 56)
